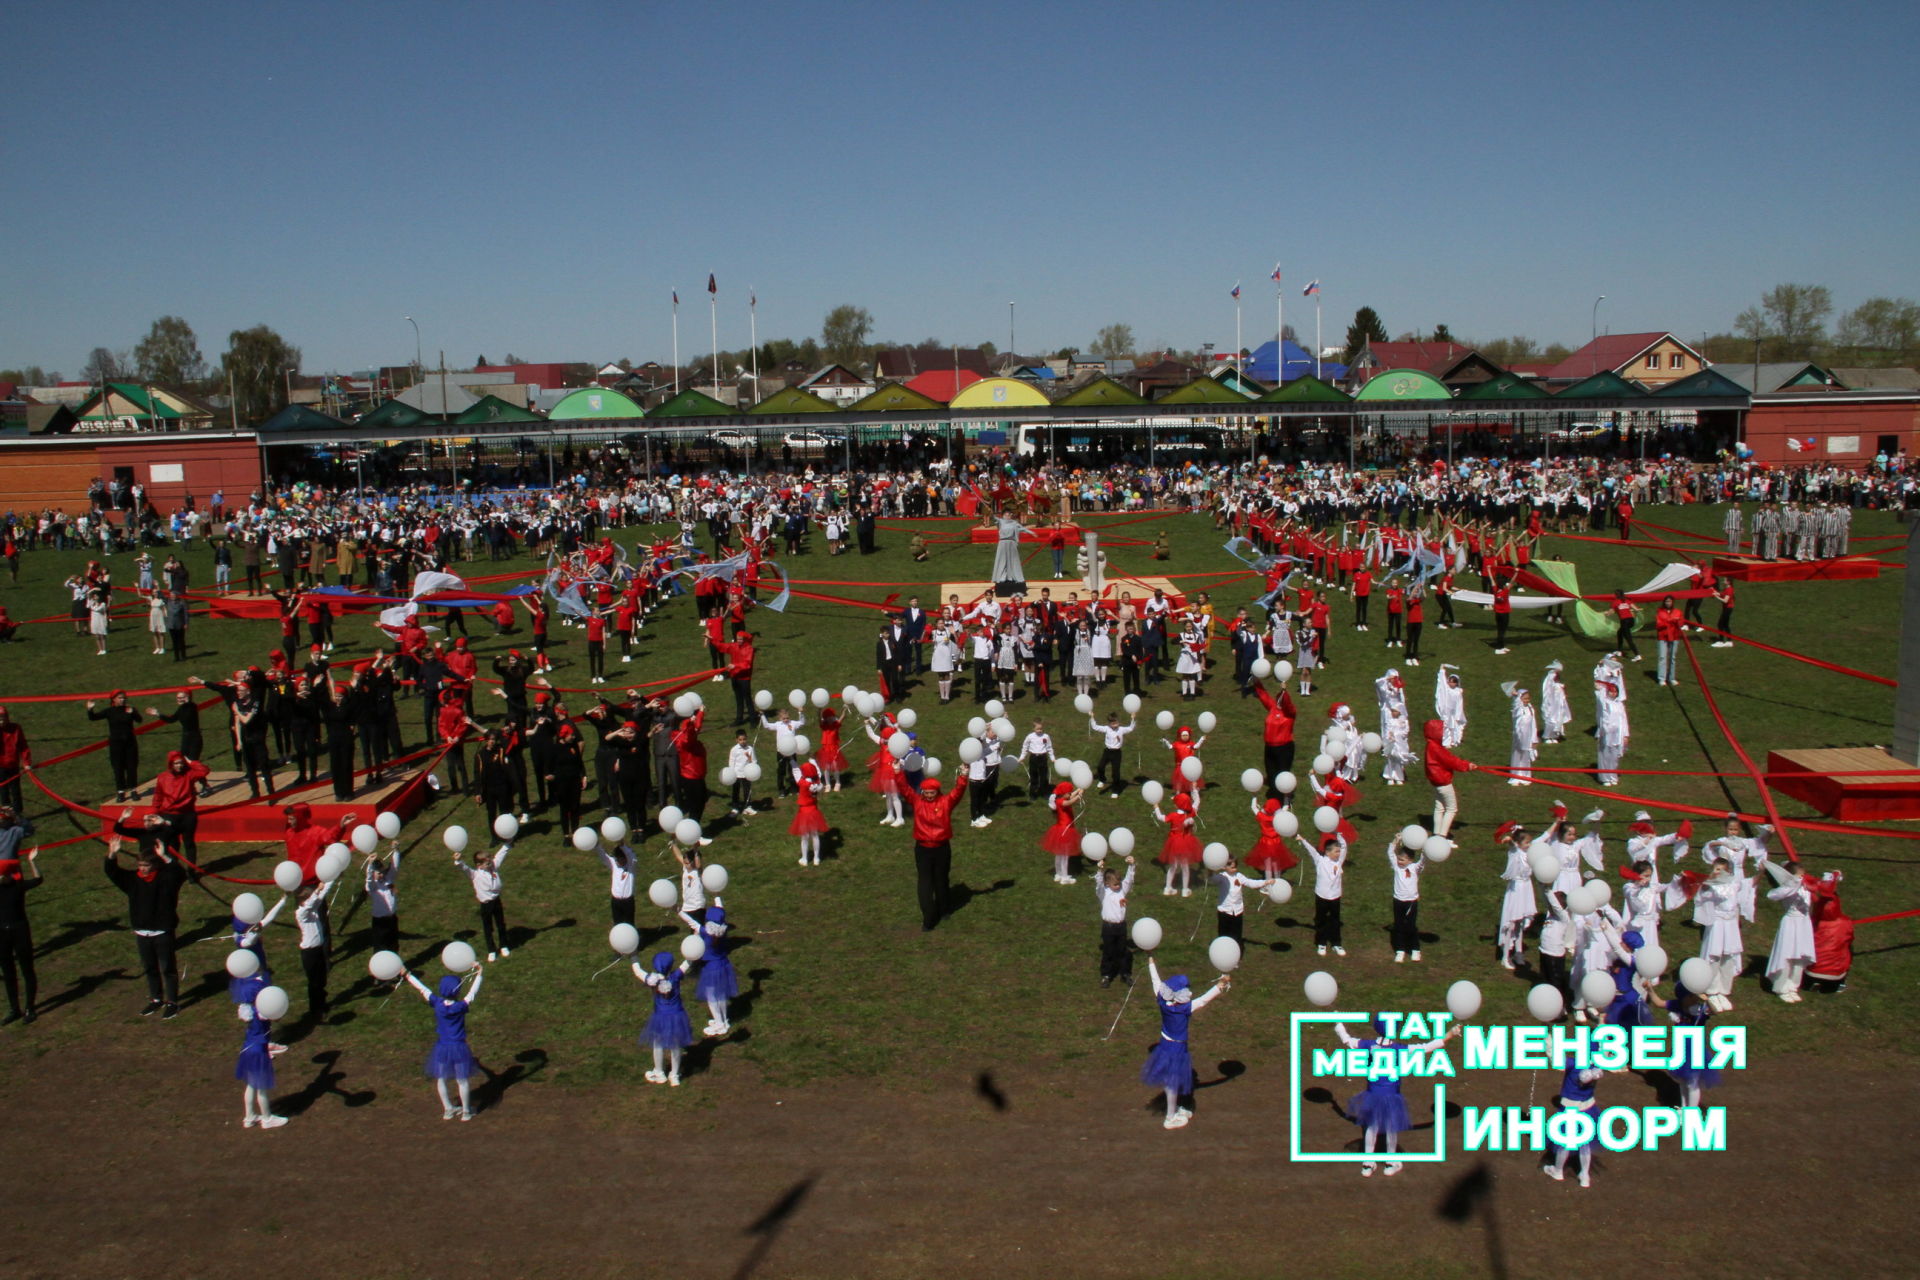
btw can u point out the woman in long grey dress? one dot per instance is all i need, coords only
(1007, 568)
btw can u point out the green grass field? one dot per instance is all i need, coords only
(842, 981)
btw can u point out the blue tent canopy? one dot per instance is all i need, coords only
(1300, 364)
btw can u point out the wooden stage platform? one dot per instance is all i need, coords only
(405, 792)
(1753, 569)
(1868, 796)
(1142, 589)
(1041, 535)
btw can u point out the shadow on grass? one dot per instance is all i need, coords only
(962, 894)
(81, 989)
(76, 931)
(527, 1064)
(326, 1081)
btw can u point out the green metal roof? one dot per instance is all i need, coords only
(1605, 385)
(133, 393)
(1508, 386)
(595, 402)
(1704, 383)
(1102, 390)
(1305, 391)
(1204, 390)
(494, 409)
(298, 417)
(894, 398)
(690, 404)
(394, 414)
(793, 400)
(1403, 384)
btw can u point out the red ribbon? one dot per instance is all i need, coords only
(1801, 657)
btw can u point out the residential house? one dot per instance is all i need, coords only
(1454, 364)
(838, 385)
(1650, 359)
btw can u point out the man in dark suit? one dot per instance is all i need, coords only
(913, 623)
(863, 529)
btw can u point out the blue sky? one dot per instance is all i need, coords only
(536, 178)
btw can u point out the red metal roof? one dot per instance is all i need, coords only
(1430, 357)
(941, 384)
(1608, 351)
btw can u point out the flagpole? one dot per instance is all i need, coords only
(1237, 347)
(1279, 330)
(713, 309)
(1317, 347)
(676, 342)
(753, 336)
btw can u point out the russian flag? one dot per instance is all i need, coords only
(1236, 290)
(1276, 271)
(1313, 287)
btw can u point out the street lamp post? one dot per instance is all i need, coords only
(1012, 347)
(417, 358)
(1593, 336)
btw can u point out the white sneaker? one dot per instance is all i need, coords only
(249, 1120)
(1167, 892)
(504, 953)
(1320, 950)
(1585, 1181)
(272, 1122)
(1393, 1168)
(449, 1113)
(1339, 951)
(1416, 957)
(674, 1080)
(1558, 1175)
(656, 1077)
(1178, 1120)
(749, 811)
(1067, 880)
(1186, 893)
(705, 841)
(492, 956)
(626, 657)
(1366, 1170)
(1399, 957)
(803, 859)
(466, 1113)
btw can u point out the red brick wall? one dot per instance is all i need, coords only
(56, 473)
(1844, 433)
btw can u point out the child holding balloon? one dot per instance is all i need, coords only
(484, 875)
(668, 1032)
(1269, 853)
(451, 1059)
(1406, 866)
(254, 1067)
(1062, 839)
(717, 983)
(1182, 848)
(1230, 908)
(1380, 1108)
(1169, 1063)
(1111, 887)
(1329, 875)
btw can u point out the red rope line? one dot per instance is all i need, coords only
(1759, 778)
(1810, 661)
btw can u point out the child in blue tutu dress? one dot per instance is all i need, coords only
(246, 937)
(450, 1059)
(254, 1067)
(1692, 1010)
(1380, 1108)
(1169, 1064)
(1576, 1094)
(717, 983)
(668, 1031)
(1629, 1007)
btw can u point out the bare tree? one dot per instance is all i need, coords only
(843, 334)
(170, 354)
(103, 365)
(1113, 342)
(1880, 331)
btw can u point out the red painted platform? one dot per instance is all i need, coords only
(1862, 796)
(405, 793)
(1042, 535)
(1751, 569)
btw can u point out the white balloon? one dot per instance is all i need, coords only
(1146, 933)
(684, 706)
(970, 750)
(663, 893)
(752, 772)
(1321, 988)
(1546, 1003)
(697, 701)
(1545, 865)
(385, 966)
(1224, 954)
(506, 826)
(1334, 743)
(898, 746)
(872, 704)
(1323, 764)
(1463, 1000)
(976, 727)
(784, 743)
(714, 877)
(1262, 669)
(907, 718)
(1413, 836)
(1063, 766)
(1131, 704)
(365, 838)
(1284, 782)
(1251, 780)
(1597, 989)
(1579, 901)
(850, 694)
(1152, 791)
(1438, 849)
(1285, 824)
(586, 839)
(248, 909)
(1093, 845)
(933, 767)
(1283, 671)
(1120, 840)
(1082, 774)
(727, 776)
(1371, 741)
(1215, 856)
(1003, 729)
(1207, 721)
(821, 698)
(387, 824)
(1696, 975)
(763, 699)
(1601, 891)
(670, 816)
(687, 832)
(270, 1003)
(1326, 819)
(693, 947)
(242, 963)
(1191, 768)
(1164, 720)
(624, 939)
(797, 699)
(458, 957)
(332, 866)
(1650, 961)
(1279, 890)
(455, 839)
(995, 708)
(288, 876)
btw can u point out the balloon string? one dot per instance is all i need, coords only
(1116, 1017)
(603, 969)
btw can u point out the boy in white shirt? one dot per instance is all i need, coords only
(1329, 873)
(739, 756)
(1230, 906)
(1406, 866)
(1112, 887)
